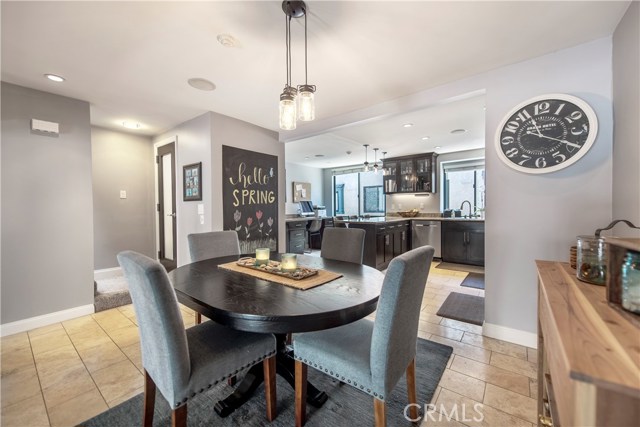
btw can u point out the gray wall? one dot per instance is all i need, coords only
(626, 137)
(299, 173)
(47, 208)
(531, 217)
(193, 145)
(122, 161)
(201, 140)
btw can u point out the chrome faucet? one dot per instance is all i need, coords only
(462, 205)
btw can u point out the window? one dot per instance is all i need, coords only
(464, 181)
(373, 199)
(358, 193)
(339, 199)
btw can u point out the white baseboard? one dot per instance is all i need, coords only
(45, 320)
(516, 336)
(107, 273)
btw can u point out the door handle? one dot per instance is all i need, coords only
(172, 214)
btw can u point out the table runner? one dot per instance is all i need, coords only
(321, 278)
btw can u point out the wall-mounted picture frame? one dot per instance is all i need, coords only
(192, 182)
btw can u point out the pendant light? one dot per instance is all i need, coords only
(288, 110)
(375, 161)
(296, 104)
(366, 163)
(306, 102)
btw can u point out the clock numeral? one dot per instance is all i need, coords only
(541, 162)
(523, 115)
(557, 113)
(579, 130)
(512, 152)
(524, 158)
(576, 115)
(506, 140)
(541, 108)
(559, 157)
(512, 126)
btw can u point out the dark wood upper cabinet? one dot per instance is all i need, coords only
(411, 174)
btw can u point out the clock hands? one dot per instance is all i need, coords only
(571, 144)
(536, 126)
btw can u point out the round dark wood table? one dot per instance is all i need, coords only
(250, 304)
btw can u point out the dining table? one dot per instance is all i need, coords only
(243, 302)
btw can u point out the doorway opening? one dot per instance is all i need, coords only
(166, 207)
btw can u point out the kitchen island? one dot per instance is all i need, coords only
(462, 239)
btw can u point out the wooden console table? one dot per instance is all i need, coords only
(588, 354)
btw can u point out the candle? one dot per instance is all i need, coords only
(289, 262)
(262, 256)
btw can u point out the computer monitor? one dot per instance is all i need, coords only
(306, 208)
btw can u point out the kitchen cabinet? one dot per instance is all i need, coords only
(383, 241)
(463, 242)
(400, 239)
(411, 174)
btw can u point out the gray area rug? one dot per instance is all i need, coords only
(346, 406)
(461, 267)
(473, 280)
(463, 307)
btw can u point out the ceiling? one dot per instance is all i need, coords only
(131, 60)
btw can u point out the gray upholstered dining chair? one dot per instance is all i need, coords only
(343, 244)
(183, 363)
(371, 355)
(212, 244)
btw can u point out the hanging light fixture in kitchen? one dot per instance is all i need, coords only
(296, 103)
(375, 161)
(384, 168)
(366, 163)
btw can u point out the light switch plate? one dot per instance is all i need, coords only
(200, 209)
(123, 194)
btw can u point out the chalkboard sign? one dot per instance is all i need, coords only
(250, 197)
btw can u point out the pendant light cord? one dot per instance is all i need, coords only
(305, 48)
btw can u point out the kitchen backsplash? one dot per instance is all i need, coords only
(403, 202)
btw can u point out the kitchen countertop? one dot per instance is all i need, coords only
(379, 220)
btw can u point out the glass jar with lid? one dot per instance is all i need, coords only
(631, 282)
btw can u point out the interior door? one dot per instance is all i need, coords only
(167, 205)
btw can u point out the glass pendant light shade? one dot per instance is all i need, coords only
(306, 103)
(288, 110)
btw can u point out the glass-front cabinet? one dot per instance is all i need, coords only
(390, 177)
(411, 174)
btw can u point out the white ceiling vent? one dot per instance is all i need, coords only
(48, 128)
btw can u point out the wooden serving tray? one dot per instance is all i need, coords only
(273, 267)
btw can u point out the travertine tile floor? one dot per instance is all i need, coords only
(62, 374)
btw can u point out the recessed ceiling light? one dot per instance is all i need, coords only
(424, 138)
(306, 158)
(455, 131)
(437, 147)
(407, 125)
(227, 40)
(319, 155)
(131, 125)
(201, 84)
(54, 78)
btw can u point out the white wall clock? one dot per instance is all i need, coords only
(546, 133)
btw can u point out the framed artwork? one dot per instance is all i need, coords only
(192, 182)
(250, 197)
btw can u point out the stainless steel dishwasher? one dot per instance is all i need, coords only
(424, 233)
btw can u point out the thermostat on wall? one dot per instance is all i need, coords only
(50, 128)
